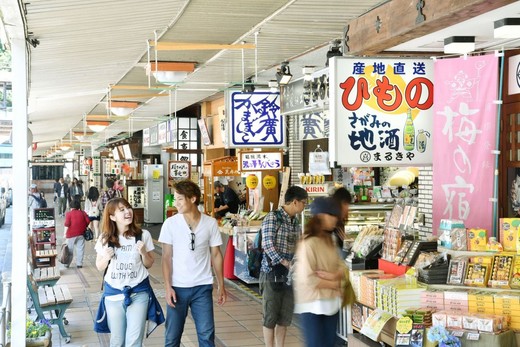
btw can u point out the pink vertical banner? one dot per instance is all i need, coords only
(464, 132)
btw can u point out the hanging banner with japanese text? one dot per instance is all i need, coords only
(255, 119)
(313, 125)
(382, 112)
(465, 134)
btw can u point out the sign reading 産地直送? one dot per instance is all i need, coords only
(381, 111)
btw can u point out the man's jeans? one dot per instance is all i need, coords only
(199, 299)
(127, 323)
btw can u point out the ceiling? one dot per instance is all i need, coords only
(86, 46)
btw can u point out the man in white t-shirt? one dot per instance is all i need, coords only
(190, 245)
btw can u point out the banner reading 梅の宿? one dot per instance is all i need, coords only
(465, 134)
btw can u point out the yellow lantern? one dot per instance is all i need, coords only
(252, 181)
(269, 182)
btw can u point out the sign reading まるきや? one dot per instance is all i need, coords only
(382, 111)
(257, 161)
(179, 170)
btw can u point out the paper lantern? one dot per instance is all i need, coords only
(252, 181)
(269, 182)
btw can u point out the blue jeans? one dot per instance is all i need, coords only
(319, 330)
(127, 323)
(200, 300)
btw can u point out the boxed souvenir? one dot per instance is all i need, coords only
(453, 320)
(448, 224)
(509, 233)
(515, 274)
(456, 239)
(477, 275)
(501, 271)
(470, 322)
(490, 324)
(405, 247)
(457, 271)
(477, 239)
(416, 248)
(439, 318)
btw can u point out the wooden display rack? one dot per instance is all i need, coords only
(43, 238)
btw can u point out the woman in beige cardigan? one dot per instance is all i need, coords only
(318, 274)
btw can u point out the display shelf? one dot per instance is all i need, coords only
(467, 253)
(454, 286)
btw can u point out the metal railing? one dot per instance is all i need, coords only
(5, 317)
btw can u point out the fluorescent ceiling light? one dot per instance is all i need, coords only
(459, 44)
(507, 28)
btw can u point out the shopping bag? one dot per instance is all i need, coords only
(65, 256)
(88, 235)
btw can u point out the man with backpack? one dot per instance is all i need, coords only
(36, 199)
(280, 233)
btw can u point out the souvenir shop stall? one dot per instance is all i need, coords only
(448, 272)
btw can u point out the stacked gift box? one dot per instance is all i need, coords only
(508, 303)
(355, 279)
(395, 296)
(433, 298)
(480, 301)
(476, 322)
(368, 284)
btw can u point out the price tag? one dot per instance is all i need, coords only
(473, 336)
(457, 333)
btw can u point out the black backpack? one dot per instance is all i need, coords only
(110, 244)
(255, 254)
(42, 203)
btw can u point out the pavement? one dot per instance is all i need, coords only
(238, 322)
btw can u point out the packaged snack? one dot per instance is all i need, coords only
(509, 233)
(477, 275)
(515, 274)
(477, 239)
(501, 271)
(457, 271)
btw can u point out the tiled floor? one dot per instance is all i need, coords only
(238, 322)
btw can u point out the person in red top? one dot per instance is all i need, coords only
(76, 222)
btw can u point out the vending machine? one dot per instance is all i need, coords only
(153, 193)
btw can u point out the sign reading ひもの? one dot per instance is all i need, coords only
(381, 111)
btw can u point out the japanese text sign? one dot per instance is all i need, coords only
(382, 111)
(257, 161)
(179, 170)
(465, 129)
(313, 126)
(255, 119)
(225, 168)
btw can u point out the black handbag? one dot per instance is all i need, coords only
(88, 235)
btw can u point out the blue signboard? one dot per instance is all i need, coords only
(255, 119)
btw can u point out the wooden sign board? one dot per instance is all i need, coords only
(179, 170)
(225, 168)
(259, 161)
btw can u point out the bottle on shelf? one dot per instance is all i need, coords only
(409, 132)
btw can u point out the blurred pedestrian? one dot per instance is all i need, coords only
(76, 222)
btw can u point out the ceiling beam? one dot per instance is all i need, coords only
(381, 28)
(187, 46)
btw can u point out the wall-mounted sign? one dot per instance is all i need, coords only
(255, 119)
(225, 168)
(381, 111)
(146, 137)
(258, 161)
(161, 132)
(206, 139)
(154, 138)
(313, 125)
(513, 82)
(179, 170)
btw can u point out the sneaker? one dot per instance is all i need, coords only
(80, 266)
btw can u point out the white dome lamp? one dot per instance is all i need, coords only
(170, 72)
(122, 108)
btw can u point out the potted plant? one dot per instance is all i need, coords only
(37, 333)
(440, 334)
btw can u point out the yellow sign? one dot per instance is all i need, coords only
(404, 325)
